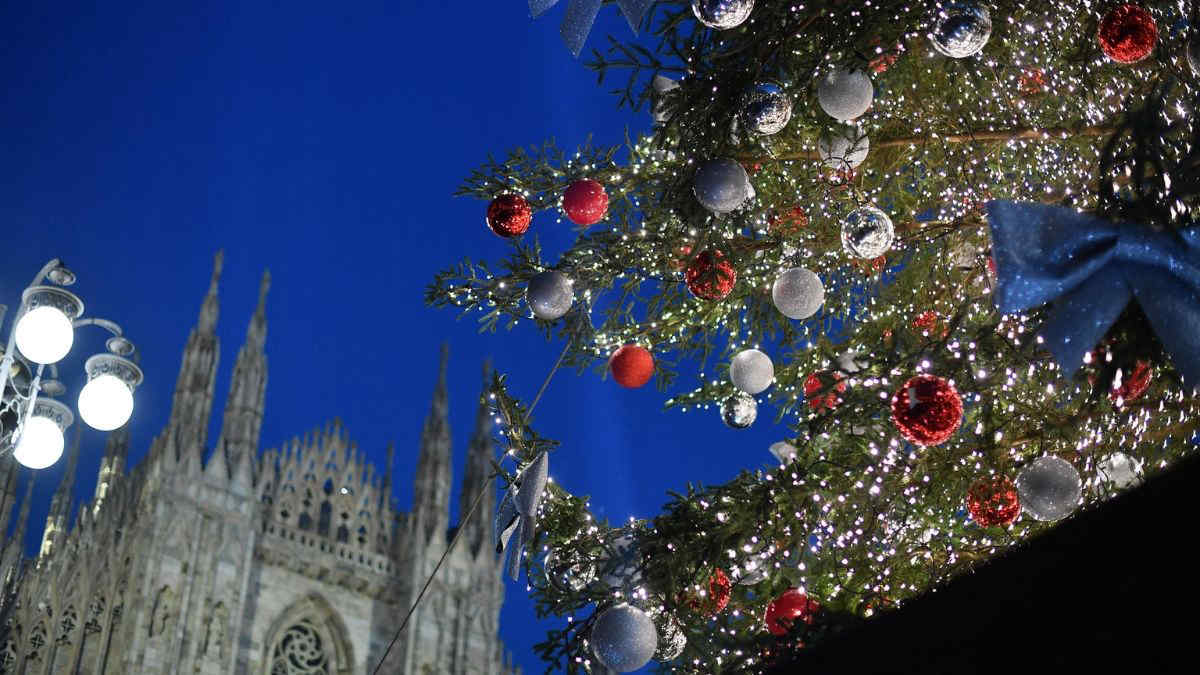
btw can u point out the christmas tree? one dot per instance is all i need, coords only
(947, 245)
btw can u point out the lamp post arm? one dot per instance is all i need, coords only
(6, 363)
(110, 326)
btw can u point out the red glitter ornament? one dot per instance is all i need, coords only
(789, 607)
(709, 277)
(930, 322)
(1134, 383)
(993, 501)
(509, 215)
(927, 410)
(632, 366)
(1128, 33)
(821, 389)
(719, 590)
(1033, 82)
(787, 223)
(585, 202)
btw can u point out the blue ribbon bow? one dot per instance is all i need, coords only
(581, 14)
(1090, 268)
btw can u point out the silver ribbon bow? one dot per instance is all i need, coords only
(582, 13)
(517, 514)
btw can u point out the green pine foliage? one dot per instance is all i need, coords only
(861, 519)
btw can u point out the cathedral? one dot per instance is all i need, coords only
(293, 561)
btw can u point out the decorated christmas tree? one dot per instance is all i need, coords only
(949, 247)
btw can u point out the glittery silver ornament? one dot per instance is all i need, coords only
(843, 148)
(765, 109)
(721, 185)
(568, 572)
(961, 29)
(867, 233)
(622, 569)
(1193, 55)
(850, 362)
(671, 638)
(1049, 488)
(624, 638)
(722, 14)
(739, 411)
(751, 371)
(845, 94)
(798, 293)
(783, 451)
(1120, 469)
(550, 295)
(662, 85)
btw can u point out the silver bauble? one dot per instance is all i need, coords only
(961, 29)
(739, 411)
(622, 570)
(671, 638)
(1120, 469)
(751, 371)
(1193, 55)
(843, 148)
(624, 638)
(722, 14)
(1049, 488)
(721, 185)
(850, 362)
(845, 94)
(662, 84)
(783, 451)
(568, 572)
(867, 233)
(550, 295)
(798, 293)
(765, 109)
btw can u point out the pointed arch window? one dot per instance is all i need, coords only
(308, 639)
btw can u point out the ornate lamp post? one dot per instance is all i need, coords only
(32, 424)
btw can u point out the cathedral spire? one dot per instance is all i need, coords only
(60, 504)
(8, 491)
(431, 490)
(187, 429)
(13, 546)
(116, 449)
(480, 453)
(242, 423)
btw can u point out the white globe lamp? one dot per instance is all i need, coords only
(41, 442)
(44, 333)
(106, 401)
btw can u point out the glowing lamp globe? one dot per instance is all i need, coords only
(44, 335)
(41, 442)
(106, 401)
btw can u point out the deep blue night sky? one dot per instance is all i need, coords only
(324, 142)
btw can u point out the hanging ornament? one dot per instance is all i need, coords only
(632, 366)
(722, 14)
(1120, 469)
(624, 638)
(509, 215)
(550, 295)
(671, 638)
(1127, 33)
(961, 29)
(517, 515)
(568, 572)
(709, 276)
(1050, 488)
(1033, 82)
(1193, 55)
(622, 565)
(867, 232)
(787, 223)
(849, 362)
(581, 14)
(783, 451)
(765, 109)
(821, 389)
(720, 588)
(751, 371)
(927, 410)
(1130, 386)
(845, 94)
(993, 501)
(929, 322)
(843, 148)
(739, 411)
(791, 606)
(798, 293)
(721, 185)
(585, 202)
(662, 84)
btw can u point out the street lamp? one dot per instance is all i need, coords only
(32, 427)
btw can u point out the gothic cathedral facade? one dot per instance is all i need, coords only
(287, 562)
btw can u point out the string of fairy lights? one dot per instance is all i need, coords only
(860, 519)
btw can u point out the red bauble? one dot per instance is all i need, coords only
(509, 215)
(1033, 82)
(585, 202)
(930, 322)
(787, 223)
(709, 276)
(1128, 33)
(632, 366)
(821, 389)
(927, 410)
(719, 590)
(787, 609)
(993, 501)
(1133, 383)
